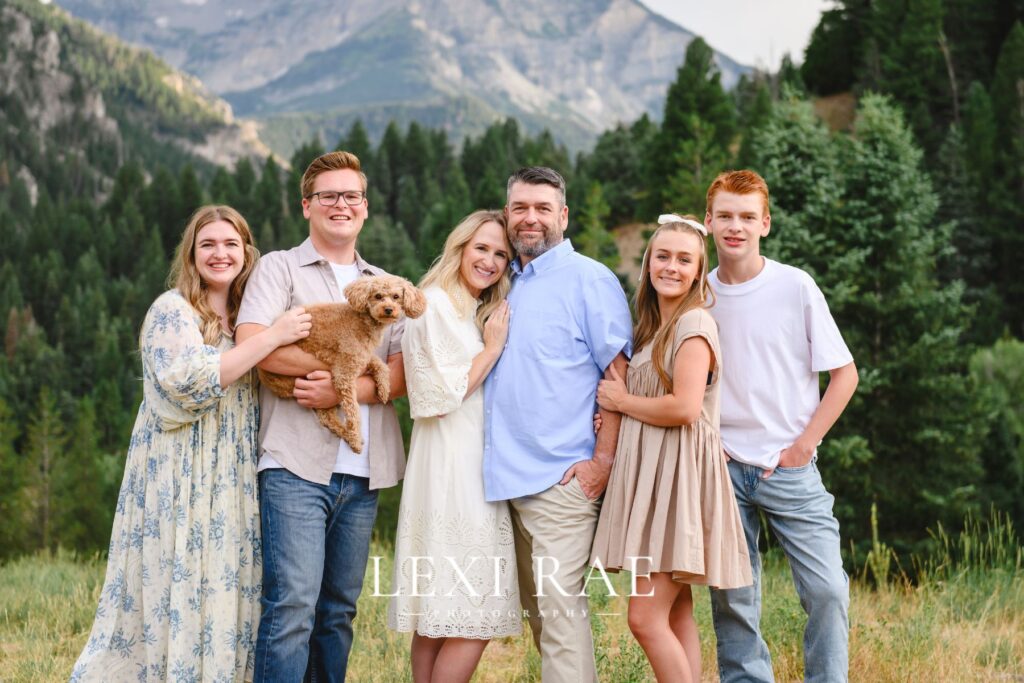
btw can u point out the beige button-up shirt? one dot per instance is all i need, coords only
(289, 433)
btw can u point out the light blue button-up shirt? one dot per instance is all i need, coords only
(569, 321)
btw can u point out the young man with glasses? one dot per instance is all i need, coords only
(318, 499)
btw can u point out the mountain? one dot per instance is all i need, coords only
(75, 105)
(575, 66)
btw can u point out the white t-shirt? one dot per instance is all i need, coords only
(776, 335)
(347, 462)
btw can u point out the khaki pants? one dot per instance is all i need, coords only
(557, 525)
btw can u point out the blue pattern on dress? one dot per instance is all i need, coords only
(187, 505)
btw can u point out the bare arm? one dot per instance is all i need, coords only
(253, 347)
(316, 390)
(593, 474)
(287, 360)
(682, 405)
(841, 385)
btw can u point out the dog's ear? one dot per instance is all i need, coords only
(359, 291)
(413, 300)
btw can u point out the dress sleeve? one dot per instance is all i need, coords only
(437, 362)
(184, 371)
(698, 323)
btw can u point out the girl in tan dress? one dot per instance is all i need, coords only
(669, 514)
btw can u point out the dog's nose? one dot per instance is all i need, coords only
(388, 311)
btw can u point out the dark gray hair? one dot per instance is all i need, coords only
(537, 175)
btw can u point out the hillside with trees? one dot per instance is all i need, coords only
(910, 220)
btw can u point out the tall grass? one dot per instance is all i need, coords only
(961, 621)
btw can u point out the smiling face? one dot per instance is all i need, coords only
(484, 258)
(536, 219)
(738, 222)
(335, 226)
(675, 263)
(219, 254)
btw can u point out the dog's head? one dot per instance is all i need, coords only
(385, 298)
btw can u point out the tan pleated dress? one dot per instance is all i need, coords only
(669, 497)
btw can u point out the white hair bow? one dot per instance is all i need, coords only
(672, 218)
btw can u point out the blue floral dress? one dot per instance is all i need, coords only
(180, 601)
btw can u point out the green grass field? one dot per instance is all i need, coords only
(962, 621)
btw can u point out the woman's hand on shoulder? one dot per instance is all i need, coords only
(611, 393)
(291, 326)
(496, 328)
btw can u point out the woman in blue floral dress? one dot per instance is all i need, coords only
(180, 601)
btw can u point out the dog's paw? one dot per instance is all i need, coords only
(355, 443)
(383, 390)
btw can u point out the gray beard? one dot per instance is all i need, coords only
(534, 250)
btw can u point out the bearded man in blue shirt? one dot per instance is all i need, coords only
(570, 322)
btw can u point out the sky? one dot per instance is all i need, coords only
(753, 32)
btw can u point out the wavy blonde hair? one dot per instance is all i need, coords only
(649, 325)
(185, 277)
(445, 271)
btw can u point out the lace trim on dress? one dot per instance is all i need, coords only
(469, 591)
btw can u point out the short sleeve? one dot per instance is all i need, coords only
(607, 327)
(395, 340)
(698, 322)
(828, 350)
(268, 292)
(437, 361)
(184, 370)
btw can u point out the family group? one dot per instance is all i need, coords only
(553, 434)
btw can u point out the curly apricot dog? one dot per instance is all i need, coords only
(344, 337)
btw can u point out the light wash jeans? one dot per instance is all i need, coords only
(799, 512)
(316, 540)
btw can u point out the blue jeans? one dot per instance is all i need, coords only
(316, 539)
(799, 513)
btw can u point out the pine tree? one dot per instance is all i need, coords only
(191, 194)
(617, 162)
(916, 407)
(905, 60)
(388, 246)
(961, 202)
(84, 486)
(789, 76)
(753, 108)
(696, 131)
(593, 238)
(161, 207)
(268, 202)
(798, 158)
(15, 505)
(998, 372)
(357, 141)
(222, 187)
(245, 179)
(834, 52)
(46, 443)
(1007, 183)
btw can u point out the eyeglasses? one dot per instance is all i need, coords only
(331, 197)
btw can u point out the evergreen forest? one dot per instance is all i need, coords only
(895, 158)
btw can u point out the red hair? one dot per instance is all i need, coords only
(738, 182)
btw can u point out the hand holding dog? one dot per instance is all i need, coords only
(316, 390)
(496, 328)
(291, 326)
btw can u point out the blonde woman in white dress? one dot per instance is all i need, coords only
(455, 580)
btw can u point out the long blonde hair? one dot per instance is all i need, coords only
(185, 277)
(446, 268)
(649, 325)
